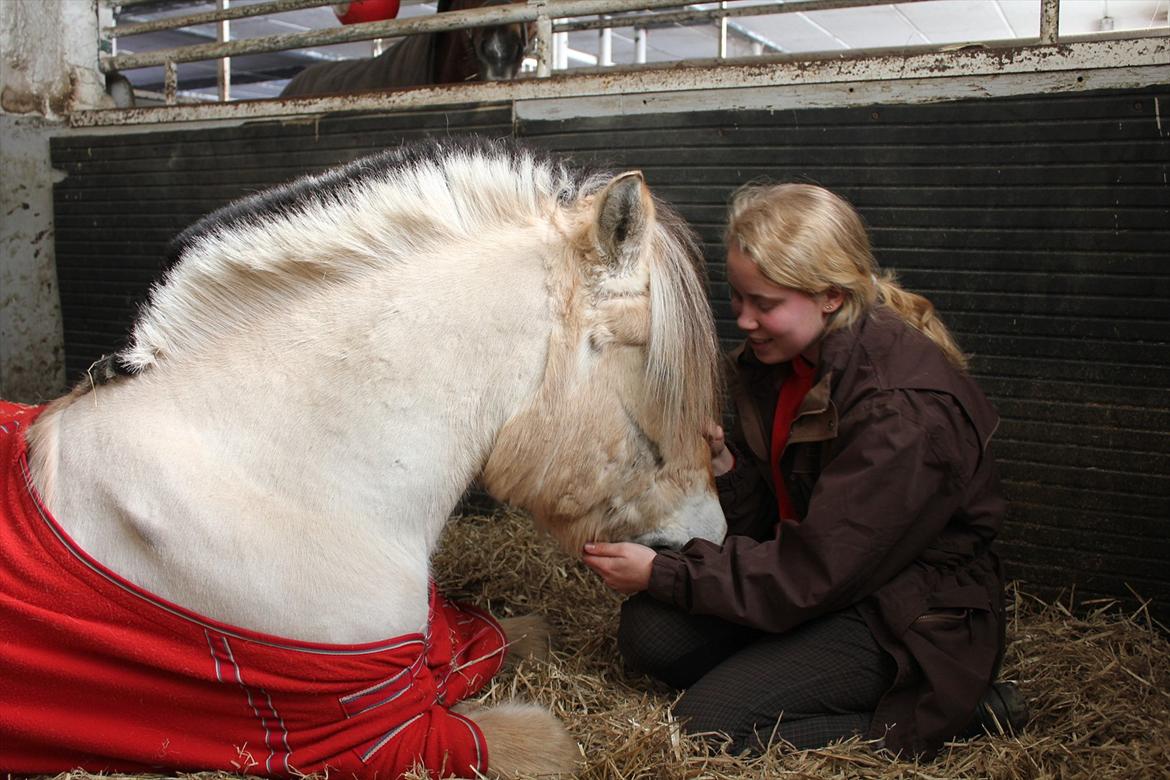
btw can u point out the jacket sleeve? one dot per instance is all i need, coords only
(893, 483)
(745, 497)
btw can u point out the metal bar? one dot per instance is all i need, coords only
(180, 96)
(758, 42)
(280, 6)
(1123, 35)
(544, 39)
(126, 3)
(392, 28)
(722, 32)
(1147, 58)
(207, 17)
(686, 17)
(1049, 20)
(223, 67)
(170, 83)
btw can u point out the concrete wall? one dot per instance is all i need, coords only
(48, 68)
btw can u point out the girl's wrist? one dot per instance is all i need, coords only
(723, 463)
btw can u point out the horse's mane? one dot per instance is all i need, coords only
(334, 226)
(329, 227)
(403, 165)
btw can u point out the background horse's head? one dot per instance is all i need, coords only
(486, 53)
(611, 447)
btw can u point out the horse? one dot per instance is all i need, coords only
(453, 56)
(208, 541)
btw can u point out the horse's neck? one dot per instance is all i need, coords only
(297, 481)
(409, 62)
(454, 60)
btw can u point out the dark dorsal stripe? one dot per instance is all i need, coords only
(330, 186)
(321, 188)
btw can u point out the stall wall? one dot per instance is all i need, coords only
(1040, 227)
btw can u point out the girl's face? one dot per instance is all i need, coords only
(780, 322)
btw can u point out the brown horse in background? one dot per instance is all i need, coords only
(448, 57)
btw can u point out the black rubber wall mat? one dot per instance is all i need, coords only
(1039, 226)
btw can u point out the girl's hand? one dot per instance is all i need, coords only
(722, 461)
(623, 566)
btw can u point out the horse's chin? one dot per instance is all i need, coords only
(698, 518)
(497, 75)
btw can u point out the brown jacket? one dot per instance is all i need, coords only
(887, 462)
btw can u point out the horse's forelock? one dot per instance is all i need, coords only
(682, 364)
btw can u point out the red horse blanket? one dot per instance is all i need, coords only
(99, 674)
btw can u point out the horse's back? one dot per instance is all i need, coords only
(409, 62)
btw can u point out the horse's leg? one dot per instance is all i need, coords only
(524, 739)
(528, 636)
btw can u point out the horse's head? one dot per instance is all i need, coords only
(611, 446)
(497, 51)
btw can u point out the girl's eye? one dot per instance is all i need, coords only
(766, 305)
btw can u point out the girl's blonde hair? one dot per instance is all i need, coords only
(806, 238)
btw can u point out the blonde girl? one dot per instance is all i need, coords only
(857, 592)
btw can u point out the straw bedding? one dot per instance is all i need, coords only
(1098, 681)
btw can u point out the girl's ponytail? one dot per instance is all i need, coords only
(920, 313)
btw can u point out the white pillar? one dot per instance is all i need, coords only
(640, 45)
(605, 46)
(48, 68)
(560, 51)
(50, 57)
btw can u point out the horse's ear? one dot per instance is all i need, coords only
(623, 214)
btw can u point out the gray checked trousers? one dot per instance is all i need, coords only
(818, 683)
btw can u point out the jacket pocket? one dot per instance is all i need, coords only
(959, 597)
(954, 619)
(943, 616)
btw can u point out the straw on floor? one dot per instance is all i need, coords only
(1097, 680)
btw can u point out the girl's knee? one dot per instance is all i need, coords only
(643, 642)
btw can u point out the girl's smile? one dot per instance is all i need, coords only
(779, 322)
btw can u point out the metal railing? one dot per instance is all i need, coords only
(549, 17)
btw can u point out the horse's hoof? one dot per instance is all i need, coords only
(524, 739)
(528, 636)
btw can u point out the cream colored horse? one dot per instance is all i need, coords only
(329, 365)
